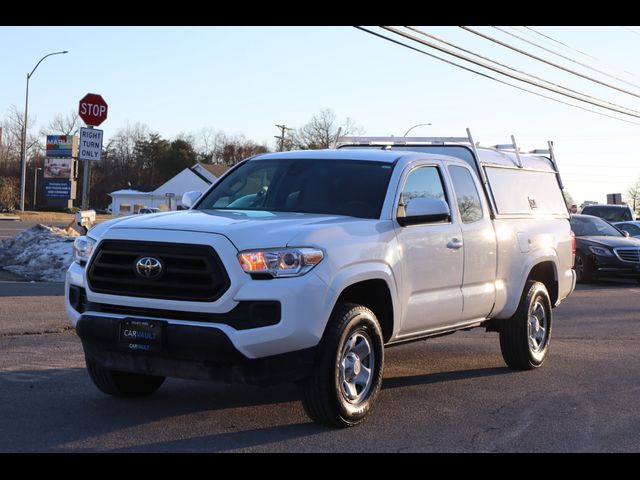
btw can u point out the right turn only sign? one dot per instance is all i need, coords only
(90, 147)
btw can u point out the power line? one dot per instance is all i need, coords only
(490, 77)
(565, 57)
(554, 40)
(518, 71)
(575, 50)
(507, 74)
(540, 59)
(631, 30)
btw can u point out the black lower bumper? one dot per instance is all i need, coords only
(615, 268)
(202, 353)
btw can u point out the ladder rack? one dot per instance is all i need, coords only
(399, 141)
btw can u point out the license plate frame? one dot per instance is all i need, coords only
(141, 335)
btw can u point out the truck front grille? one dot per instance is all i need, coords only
(189, 272)
(628, 254)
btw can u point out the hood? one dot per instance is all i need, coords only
(245, 229)
(611, 242)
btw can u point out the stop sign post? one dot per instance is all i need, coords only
(93, 110)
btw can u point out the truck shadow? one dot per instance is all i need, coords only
(181, 416)
(440, 377)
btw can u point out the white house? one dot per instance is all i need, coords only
(167, 196)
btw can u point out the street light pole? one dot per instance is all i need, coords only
(35, 185)
(23, 156)
(418, 125)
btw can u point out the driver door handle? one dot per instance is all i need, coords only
(454, 244)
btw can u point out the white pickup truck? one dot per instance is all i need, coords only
(303, 266)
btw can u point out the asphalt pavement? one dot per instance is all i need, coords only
(8, 228)
(449, 394)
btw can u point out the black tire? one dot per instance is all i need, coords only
(523, 346)
(122, 384)
(583, 268)
(326, 391)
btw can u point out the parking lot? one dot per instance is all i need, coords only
(450, 394)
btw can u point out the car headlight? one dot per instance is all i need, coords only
(601, 251)
(82, 248)
(280, 262)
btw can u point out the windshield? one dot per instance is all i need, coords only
(587, 227)
(336, 187)
(612, 214)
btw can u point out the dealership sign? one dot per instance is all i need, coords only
(90, 144)
(57, 188)
(62, 145)
(60, 168)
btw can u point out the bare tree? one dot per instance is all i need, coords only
(322, 130)
(10, 150)
(633, 195)
(205, 144)
(61, 124)
(9, 193)
(236, 148)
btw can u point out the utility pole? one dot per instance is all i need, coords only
(281, 137)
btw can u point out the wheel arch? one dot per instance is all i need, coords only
(376, 296)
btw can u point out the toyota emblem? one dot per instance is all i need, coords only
(149, 268)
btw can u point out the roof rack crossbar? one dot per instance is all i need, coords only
(400, 140)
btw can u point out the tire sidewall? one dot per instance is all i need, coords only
(360, 321)
(538, 291)
(583, 275)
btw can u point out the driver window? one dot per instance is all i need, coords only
(422, 182)
(251, 194)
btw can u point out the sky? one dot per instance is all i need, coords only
(245, 80)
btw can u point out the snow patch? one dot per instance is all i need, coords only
(39, 253)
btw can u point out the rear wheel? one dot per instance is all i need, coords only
(347, 375)
(524, 338)
(584, 273)
(122, 384)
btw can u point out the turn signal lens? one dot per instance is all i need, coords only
(286, 262)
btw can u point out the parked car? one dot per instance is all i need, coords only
(149, 210)
(603, 250)
(631, 227)
(611, 213)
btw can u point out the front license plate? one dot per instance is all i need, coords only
(141, 335)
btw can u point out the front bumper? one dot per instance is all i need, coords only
(306, 302)
(613, 267)
(189, 351)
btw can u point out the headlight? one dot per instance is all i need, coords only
(82, 248)
(601, 251)
(285, 262)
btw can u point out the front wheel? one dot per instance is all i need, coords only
(524, 338)
(122, 384)
(347, 374)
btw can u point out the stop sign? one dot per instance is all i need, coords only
(93, 109)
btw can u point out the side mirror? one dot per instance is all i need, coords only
(424, 210)
(189, 198)
(625, 233)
